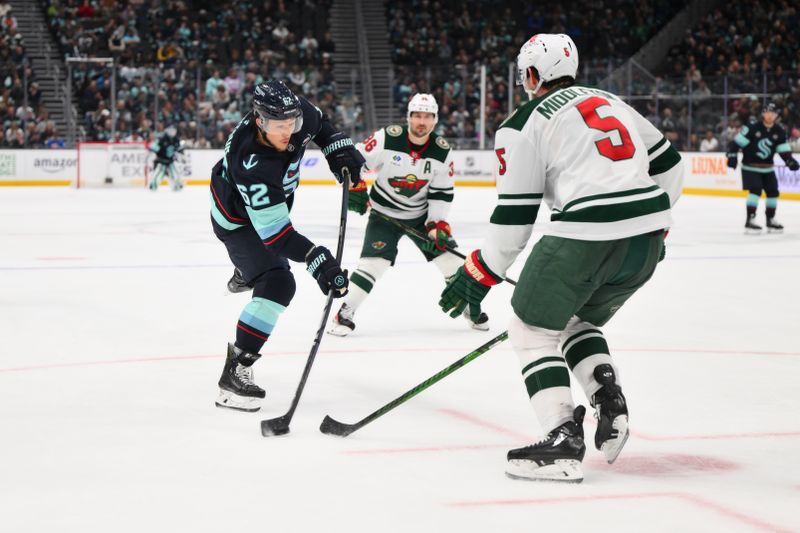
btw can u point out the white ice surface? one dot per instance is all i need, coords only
(113, 325)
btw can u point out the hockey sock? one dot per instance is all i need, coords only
(544, 371)
(772, 206)
(752, 203)
(363, 279)
(584, 347)
(155, 180)
(447, 264)
(272, 293)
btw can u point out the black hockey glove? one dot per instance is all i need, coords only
(342, 154)
(791, 163)
(733, 159)
(326, 270)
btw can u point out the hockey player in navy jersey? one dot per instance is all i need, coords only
(252, 191)
(759, 141)
(167, 149)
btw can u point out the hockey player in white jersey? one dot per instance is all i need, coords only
(413, 187)
(610, 179)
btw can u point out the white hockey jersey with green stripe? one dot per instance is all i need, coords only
(408, 183)
(605, 172)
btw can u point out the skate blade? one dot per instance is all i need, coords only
(562, 470)
(612, 447)
(229, 400)
(339, 331)
(749, 231)
(770, 230)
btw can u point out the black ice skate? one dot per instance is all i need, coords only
(773, 226)
(555, 458)
(236, 387)
(342, 324)
(481, 324)
(611, 413)
(750, 227)
(237, 282)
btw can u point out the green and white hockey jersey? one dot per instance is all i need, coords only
(605, 172)
(409, 182)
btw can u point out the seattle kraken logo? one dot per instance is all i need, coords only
(764, 148)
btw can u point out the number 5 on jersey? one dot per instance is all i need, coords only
(615, 152)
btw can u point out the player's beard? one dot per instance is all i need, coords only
(420, 132)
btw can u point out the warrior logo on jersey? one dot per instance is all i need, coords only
(442, 143)
(408, 185)
(379, 245)
(394, 130)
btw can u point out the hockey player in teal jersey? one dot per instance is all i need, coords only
(610, 179)
(167, 149)
(759, 142)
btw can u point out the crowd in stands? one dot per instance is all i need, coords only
(194, 63)
(438, 47)
(25, 120)
(744, 48)
(190, 64)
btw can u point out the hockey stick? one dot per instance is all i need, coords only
(330, 426)
(280, 425)
(419, 235)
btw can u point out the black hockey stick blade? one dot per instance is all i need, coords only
(275, 426)
(330, 426)
(421, 236)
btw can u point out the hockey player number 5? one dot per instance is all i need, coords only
(615, 152)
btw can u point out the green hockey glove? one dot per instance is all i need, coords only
(468, 286)
(357, 198)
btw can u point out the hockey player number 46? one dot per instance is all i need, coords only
(615, 152)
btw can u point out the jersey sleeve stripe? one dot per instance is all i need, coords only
(521, 201)
(514, 215)
(615, 212)
(664, 162)
(657, 146)
(440, 189)
(283, 232)
(520, 196)
(784, 147)
(270, 220)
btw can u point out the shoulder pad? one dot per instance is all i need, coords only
(394, 130)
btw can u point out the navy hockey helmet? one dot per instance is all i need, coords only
(273, 100)
(771, 107)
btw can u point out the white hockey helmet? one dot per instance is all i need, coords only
(553, 55)
(423, 103)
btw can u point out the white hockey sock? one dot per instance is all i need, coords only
(363, 278)
(544, 371)
(447, 264)
(584, 347)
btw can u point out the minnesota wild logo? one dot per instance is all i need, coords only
(408, 185)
